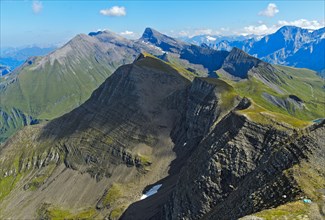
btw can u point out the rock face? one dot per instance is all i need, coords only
(162, 41)
(240, 169)
(207, 57)
(238, 63)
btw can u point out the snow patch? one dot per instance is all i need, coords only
(209, 38)
(323, 36)
(154, 46)
(151, 192)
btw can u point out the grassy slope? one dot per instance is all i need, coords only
(51, 91)
(300, 82)
(292, 210)
(167, 67)
(311, 182)
(54, 89)
(281, 121)
(227, 93)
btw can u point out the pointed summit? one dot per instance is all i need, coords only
(238, 63)
(140, 57)
(150, 33)
(237, 53)
(108, 36)
(163, 41)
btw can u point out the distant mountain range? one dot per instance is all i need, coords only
(213, 40)
(291, 46)
(30, 93)
(14, 57)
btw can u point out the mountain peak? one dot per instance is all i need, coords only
(291, 30)
(238, 63)
(163, 41)
(290, 27)
(143, 55)
(107, 36)
(95, 33)
(236, 50)
(237, 53)
(150, 32)
(154, 36)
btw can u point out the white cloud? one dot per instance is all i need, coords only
(182, 34)
(269, 11)
(100, 29)
(224, 29)
(114, 11)
(258, 30)
(127, 33)
(203, 31)
(195, 32)
(303, 23)
(37, 7)
(263, 29)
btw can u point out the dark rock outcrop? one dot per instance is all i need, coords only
(238, 63)
(239, 169)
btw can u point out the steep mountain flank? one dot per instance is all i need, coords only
(242, 168)
(13, 120)
(207, 57)
(121, 139)
(238, 63)
(77, 69)
(114, 139)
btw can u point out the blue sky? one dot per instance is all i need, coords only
(43, 22)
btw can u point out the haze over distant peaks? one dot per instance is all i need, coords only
(290, 45)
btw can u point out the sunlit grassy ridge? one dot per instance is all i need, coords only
(57, 213)
(156, 63)
(262, 115)
(292, 210)
(303, 83)
(311, 182)
(227, 92)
